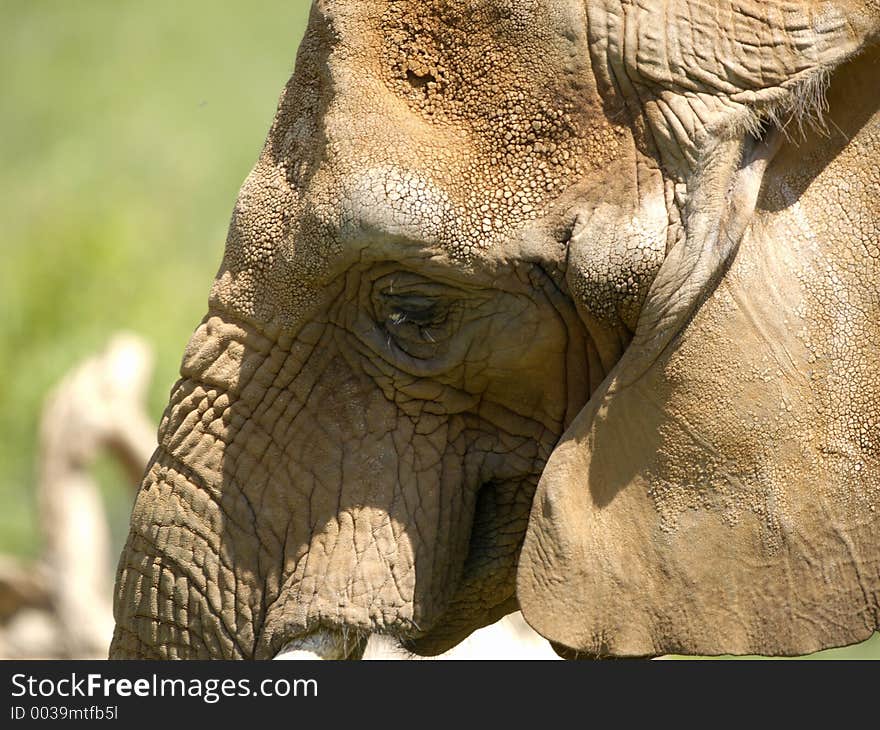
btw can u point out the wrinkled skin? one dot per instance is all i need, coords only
(555, 303)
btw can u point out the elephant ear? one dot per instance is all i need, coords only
(720, 492)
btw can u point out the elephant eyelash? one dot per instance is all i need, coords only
(398, 318)
(420, 311)
(412, 331)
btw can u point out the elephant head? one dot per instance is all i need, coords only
(562, 304)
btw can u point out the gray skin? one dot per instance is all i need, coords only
(556, 304)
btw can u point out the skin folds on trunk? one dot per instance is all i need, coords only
(283, 527)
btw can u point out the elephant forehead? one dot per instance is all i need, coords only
(447, 128)
(455, 123)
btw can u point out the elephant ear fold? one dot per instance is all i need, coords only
(723, 495)
(720, 492)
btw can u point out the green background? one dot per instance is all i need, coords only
(126, 129)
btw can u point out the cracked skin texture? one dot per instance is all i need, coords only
(467, 215)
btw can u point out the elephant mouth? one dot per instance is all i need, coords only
(324, 644)
(499, 508)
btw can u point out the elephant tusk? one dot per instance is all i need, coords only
(323, 644)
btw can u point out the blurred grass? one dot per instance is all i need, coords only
(126, 129)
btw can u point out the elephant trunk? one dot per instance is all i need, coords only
(256, 532)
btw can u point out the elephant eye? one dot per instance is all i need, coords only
(422, 311)
(417, 324)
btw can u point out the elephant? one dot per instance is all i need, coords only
(569, 306)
